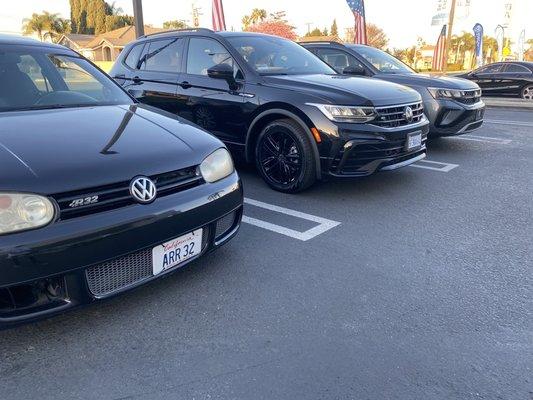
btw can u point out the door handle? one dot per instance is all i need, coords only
(136, 79)
(185, 85)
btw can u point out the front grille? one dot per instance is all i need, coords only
(118, 274)
(469, 100)
(395, 116)
(118, 195)
(469, 96)
(355, 159)
(224, 225)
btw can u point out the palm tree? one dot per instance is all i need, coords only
(46, 25)
(35, 24)
(257, 15)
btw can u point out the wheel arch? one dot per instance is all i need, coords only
(275, 111)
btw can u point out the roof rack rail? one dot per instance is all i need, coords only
(319, 42)
(178, 30)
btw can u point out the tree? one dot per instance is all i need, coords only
(175, 24)
(376, 36)
(35, 24)
(334, 31)
(314, 32)
(278, 16)
(45, 25)
(257, 15)
(490, 49)
(96, 16)
(100, 16)
(271, 27)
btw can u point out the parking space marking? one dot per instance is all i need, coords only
(323, 223)
(434, 165)
(504, 122)
(486, 139)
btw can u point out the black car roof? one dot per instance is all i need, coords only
(26, 41)
(203, 31)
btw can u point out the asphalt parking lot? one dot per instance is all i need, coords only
(412, 284)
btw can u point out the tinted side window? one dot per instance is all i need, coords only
(163, 55)
(516, 68)
(338, 59)
(490, 69)
(133, 56)
(206, 53)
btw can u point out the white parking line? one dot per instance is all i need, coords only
(434, 165)
(486, 139)
(323, 223)
(504, 122)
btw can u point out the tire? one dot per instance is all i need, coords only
(527, 93)
(285, 157)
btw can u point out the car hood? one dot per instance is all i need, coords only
(421, 80)
(346, 90)
(53, 151)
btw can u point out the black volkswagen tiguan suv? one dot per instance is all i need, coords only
(98, 194)
(274, 101)
(452, 105)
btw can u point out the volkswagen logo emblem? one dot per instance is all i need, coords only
(408, 114)
(143, 190)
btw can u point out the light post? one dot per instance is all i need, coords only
(138, 18)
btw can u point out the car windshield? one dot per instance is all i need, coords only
(33, 79)
(383, 61)
(275, 56)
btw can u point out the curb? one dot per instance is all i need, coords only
(494, 102)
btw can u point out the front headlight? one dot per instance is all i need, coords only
(217, 165)
(19, 212)
(441, 93)
(352, 114)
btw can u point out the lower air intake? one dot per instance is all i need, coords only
(119, 274)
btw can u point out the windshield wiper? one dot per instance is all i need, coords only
(48, 107)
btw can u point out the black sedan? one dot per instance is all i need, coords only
(98, 194)
(510, 78)
(452, 105)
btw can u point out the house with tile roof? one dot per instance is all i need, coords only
(104, 47)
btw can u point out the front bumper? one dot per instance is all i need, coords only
(449, 117)
(44, 271)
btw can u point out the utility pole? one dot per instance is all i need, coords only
(308, 26)
(449, 35)
(138, 17)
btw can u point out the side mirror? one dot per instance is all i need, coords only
(354, 70)
(222, 71)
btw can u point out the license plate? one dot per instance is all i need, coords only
(414, 140)
(176, 251)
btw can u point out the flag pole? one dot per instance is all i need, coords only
(449, 36)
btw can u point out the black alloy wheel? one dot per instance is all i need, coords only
(285, 158)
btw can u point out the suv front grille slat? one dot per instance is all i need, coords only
(394, 116)
(117, 195)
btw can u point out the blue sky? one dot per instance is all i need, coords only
(403, 21)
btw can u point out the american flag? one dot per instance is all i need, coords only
(439, 58)
(219, 22)
(358, 9)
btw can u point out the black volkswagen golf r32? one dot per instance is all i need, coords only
(274, 101)
(97, 193)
